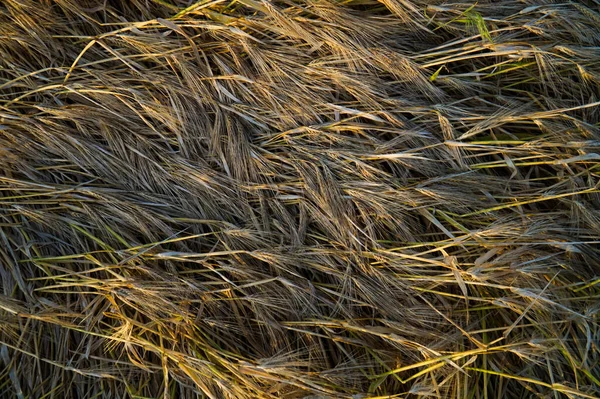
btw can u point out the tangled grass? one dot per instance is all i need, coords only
(299, 199)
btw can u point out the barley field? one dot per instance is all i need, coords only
(255, 199)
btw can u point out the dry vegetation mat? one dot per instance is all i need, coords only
(299, 199)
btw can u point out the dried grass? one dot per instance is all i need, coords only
(299, 199)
